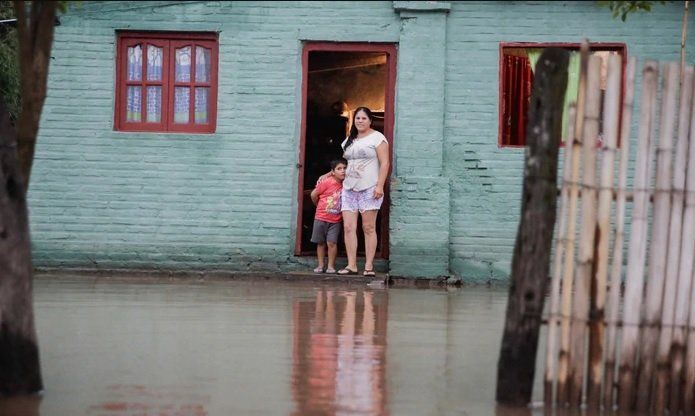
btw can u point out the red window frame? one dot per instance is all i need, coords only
(621, 48)
(169, 42)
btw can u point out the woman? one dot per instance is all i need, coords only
(367, 153)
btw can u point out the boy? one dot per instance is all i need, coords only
(327, 220)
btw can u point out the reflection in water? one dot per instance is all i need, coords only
(143, 400)
(20, 406)
(160, 347)
(339, 353)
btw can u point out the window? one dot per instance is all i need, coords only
(517, 61)
(166, 82)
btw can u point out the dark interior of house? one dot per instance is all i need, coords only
(338, 82)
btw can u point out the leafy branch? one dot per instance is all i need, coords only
(623, 8)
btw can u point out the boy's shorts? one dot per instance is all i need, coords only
(360, 200)
(325, 231)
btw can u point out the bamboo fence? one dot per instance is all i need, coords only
(625, 340)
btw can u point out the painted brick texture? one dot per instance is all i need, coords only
(420, 208)
(486, 179)
(106, 199)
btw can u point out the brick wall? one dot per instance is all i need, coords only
(485, 179)
(106, 199)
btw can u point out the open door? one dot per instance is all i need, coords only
(337, 78)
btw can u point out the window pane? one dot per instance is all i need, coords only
(183, 64)
(135, 63)
(181, 105)
(202, 64)
(134, 105)
(154, 63)
(154, 104)
(201, 105)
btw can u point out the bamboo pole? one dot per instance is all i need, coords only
(689, 376)
(554, 306)
(616, 269)
(585, 261)
(673, 283)
(659, 237)
(684, 27)
(638, 239)
(685, 321)
(568, 272)
(683, 294)
(611, 114)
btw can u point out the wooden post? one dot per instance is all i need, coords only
(585, 261)
(554, 307)
(613, 306)
(611, 120)
(568, 272)
(638, 239)
(531, 260)
(673, 282)
(659, 237)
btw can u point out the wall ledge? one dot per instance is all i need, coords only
(421, 6)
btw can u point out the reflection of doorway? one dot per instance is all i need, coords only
(337, 78)
(339, 353)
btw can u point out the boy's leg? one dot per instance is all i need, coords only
(320, 253)
(332, 254)
(318, 236)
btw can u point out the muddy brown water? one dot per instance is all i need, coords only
(187, 347)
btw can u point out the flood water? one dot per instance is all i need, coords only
(187, 347)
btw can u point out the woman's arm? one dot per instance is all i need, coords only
(324, 177)
(382, 154)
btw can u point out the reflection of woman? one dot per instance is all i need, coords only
(367, 153)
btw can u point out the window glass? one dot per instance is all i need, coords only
(181, 104)
(134, 104)
(183, 64)
(201, 105)
(202, 64)
(154, 104)
(135, 63)
(154, 63)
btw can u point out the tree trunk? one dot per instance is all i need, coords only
(531, 261)
(20, 372)
(35, 33)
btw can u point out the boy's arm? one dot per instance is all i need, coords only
(315, 196)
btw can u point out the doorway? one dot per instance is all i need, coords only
(337, 78)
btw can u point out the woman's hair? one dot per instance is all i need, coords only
(353, 129)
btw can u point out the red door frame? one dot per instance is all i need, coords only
(390, 50)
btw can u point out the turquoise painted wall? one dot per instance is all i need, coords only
(227, 201)
(486, 179)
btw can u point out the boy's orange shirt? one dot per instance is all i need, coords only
(328, 206)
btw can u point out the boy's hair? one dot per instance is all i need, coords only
(336, 162)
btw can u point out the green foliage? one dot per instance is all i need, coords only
(9, 62)
(624, 8)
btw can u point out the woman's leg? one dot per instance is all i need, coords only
(369, 228)
(350, 230)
